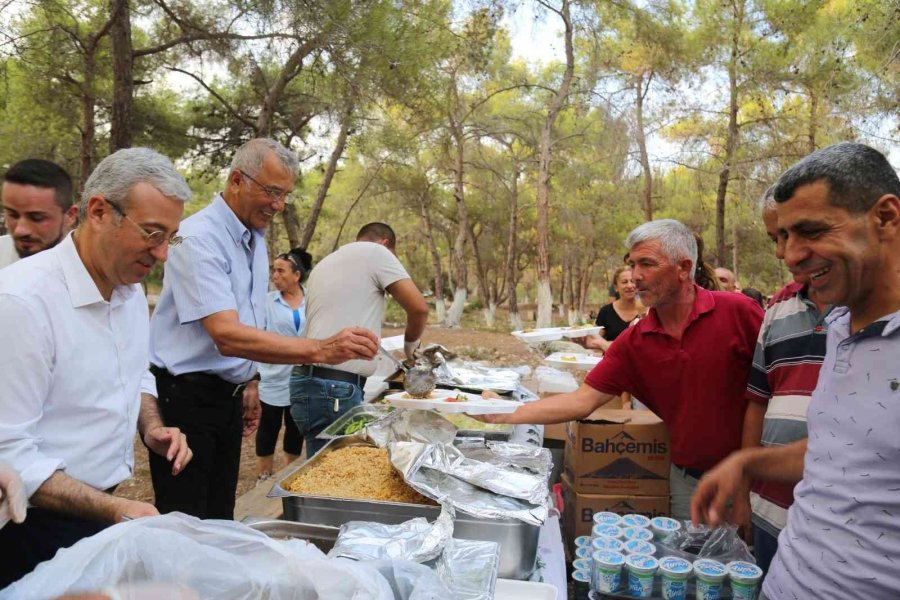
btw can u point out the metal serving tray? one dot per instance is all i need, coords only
(322, 536)
(518, 541)
(378, 410)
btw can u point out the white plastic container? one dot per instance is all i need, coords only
(745, 578)
(710, 578)
(674, 573)
(607, 531)
(581, 564)
(664, 528)
(583, 541)
(606, 571)
(641, 570)
(638, 533)
(607, 518)
(635, 520)
(639, 547)
(581, 581)
(606, 544)
(583, 552)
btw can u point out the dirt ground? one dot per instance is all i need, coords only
(493, 347)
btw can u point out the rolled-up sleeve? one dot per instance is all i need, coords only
(198, 275)
(148, 383)
(26, 369)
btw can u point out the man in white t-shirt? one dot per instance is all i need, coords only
(347, 288)
(38, 208)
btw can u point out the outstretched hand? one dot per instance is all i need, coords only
(721, 495)
(348, 344)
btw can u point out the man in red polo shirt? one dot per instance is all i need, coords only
(688, 360)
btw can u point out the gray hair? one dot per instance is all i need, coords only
(857, 176)
(676, 240)
(250, 156)
(767, 200)
(119, 172)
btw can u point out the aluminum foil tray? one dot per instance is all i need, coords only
(378, 410)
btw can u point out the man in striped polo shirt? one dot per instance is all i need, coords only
(789, 353)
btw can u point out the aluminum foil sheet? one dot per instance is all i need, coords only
(425, 426)
(472, 375)
(469, 568)
(415, 540)
(431, 469)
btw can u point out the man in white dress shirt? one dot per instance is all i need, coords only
(74, 353)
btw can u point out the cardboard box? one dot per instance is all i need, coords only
(618, 453)
(580, 508)
(557, 431)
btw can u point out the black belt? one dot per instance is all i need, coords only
(695, 473)
(203, 380)
(326, 373)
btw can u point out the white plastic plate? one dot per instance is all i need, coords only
(572, 360)
(547, 334)
(510, 589)
(438, 400)
(574, 332)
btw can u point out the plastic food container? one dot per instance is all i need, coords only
(607, 518)
(641, 573)
(664, 528)
(581, 564)
(638, 533)
(584, 552)
(674, 573)
(745, 578)
(710, 575)
(639, 547)
(583, 541)
(606, 572)
(607, 531)
(634, 520)
(582, 584)
(607, 544)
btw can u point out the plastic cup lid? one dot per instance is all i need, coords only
(708, 568)
(638, 533)
(742, 571)
(665, 524)
(639, 547)
(607, 518)
(673, 565)
(641, 563)
(606, 543)
(582, 576)
(583, 552)
(609, 559)
(634, 520)
(583, 541)
(582, 564)
(607, 531)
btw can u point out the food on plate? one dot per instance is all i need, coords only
(464, 422)
(358, 423)
(360, 472)
(459, 397)
(569, 358)
(528, 330)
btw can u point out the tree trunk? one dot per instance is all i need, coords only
(322, 192)
(545, 295)
(291, 225)
(454, 315)
(512, 252)
(813, 121)
(88, 127)
(121, 131)
(642, 144)
(731, 136)
(734, 248)
(291, 68)
(483, 291)
(584, 285)
(435, 259)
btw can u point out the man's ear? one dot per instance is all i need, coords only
(686, 269)
(70, 216)
(886, 212)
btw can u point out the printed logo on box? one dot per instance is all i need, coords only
(623, 443)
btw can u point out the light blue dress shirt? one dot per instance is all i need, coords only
(213, 270)
(274, 387)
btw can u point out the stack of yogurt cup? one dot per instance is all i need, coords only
(619, 557)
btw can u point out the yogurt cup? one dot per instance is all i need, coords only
(610, 531)
(634, 520)
(641, 570)
(664, 528)
(639, 547)
(583, 553)
(745, 578)
(581, 581)
(583, 541)
(606, 544)
(606, 573)
(581, 564)
(637, 533)
(607, 518)
(710, 575)
(675, 572)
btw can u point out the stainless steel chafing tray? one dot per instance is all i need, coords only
(518, 541)
(376, 410)
(322, 536)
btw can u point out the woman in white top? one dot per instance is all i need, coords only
(285, 314)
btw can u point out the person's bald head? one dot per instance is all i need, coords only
(726, 279)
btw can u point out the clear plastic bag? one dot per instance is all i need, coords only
(721, 543)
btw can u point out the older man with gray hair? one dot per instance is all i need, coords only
(74, 336)
(208, 330)
(688, 360)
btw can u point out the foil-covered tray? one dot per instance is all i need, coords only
(375, 410)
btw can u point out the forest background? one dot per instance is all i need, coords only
(510, 181)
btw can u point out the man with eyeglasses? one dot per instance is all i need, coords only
(208, 331)
(37, 208)
(74, 338)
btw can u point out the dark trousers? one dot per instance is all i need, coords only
(210, 415)
(270, 426)
(765, 545)
(23, 546)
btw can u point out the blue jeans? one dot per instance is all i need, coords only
(317, 403)
(765, 545)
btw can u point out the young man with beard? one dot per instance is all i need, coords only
(687, 360)
(38, 208)
(839, 217)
